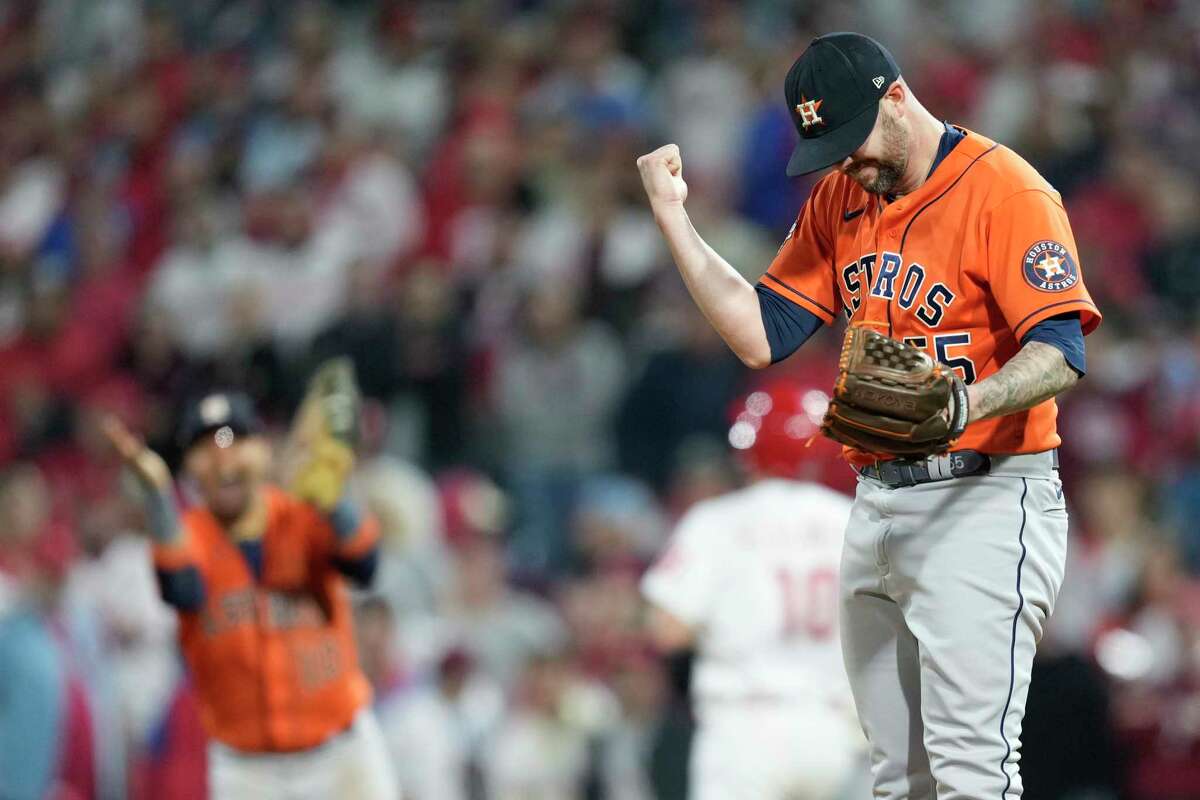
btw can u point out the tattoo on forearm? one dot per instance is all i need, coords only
(1035, 374)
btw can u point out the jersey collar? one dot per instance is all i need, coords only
(951, 167)
(951, 136)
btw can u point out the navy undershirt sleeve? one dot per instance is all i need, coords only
(346, 518)
(1064, 332)
(361, 570)
(950, 139)
(182, 588)
(787, 324)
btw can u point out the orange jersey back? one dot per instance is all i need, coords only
(963, 268)
(273, 658)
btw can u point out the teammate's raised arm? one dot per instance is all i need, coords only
(153, 476)
(723, 295)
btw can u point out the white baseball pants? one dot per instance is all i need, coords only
(946, 587)
(351, 766)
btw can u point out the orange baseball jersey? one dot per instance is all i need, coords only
(273, 658)
(963, 268)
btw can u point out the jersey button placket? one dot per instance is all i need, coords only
(897, 211)
(871, 311)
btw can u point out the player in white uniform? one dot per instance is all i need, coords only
(750, 581)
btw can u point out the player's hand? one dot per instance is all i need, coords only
(324, 433)
(662, 176)
(149, 468)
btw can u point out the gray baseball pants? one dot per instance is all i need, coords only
(946, 587)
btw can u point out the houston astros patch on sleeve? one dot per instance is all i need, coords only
(1048, 267)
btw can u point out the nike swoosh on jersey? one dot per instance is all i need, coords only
(849, 215)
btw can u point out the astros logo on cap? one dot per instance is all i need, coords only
(1048, 267)
(808, 113)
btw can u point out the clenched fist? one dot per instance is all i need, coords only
(662, 176)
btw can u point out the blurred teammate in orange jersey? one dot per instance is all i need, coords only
(258, 578)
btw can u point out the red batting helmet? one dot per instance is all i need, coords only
(776, 431)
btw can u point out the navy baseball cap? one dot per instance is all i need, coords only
(233, 410)
(833, 93)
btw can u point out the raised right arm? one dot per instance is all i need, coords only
(179, 579)
(762, 324)
(154, 478)
(722, 294)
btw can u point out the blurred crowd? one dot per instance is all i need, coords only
(200, 193)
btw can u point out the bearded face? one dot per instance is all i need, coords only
(878, 166)
(228, 471)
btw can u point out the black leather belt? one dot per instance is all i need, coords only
(902, 472)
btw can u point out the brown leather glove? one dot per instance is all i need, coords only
(892, 398)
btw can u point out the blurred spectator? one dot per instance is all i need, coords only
(436, 726)
(473, 507)
(406, 339)
(414, 566)
(557, 387)
(114, 579)
(431, 363)
(1067, 743)
(640, 687)
(33, 193)
(705, 98)
(197, 282)
(397, 81)
(683, 392)
(428, 738)
(33, 698)
(617, 524)
(365, 332)
(499, 625)
(371, 197)
(767, 196)
(1151, 652)
(545, 747)
(703, 469)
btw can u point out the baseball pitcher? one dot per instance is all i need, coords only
(953, 261)
(257, 575)
(751, 585)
